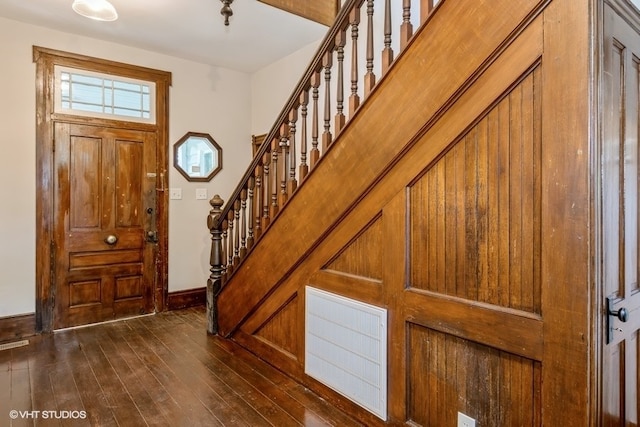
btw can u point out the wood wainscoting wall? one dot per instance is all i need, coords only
(458, 198)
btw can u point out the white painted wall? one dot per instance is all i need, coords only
(272, 86)
(17, 173)
(202, 99)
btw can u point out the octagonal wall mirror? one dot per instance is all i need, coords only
(197, 157)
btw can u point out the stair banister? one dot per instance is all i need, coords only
(274, 174)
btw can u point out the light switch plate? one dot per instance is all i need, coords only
(201, 194)
(175, 193)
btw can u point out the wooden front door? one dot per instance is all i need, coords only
(620, 234)
(104, 210)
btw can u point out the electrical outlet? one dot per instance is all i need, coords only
(175, 193)
(465, 420)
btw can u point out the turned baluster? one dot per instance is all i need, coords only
(354, 99)
(304, 168)
(425, 9)
(274, 178)
(225, 228)
(266, 186)
(327, 63)
(387, 52)
(292, 184)
(236, 212)
(257, 209)
(315, 153)
(250, 212)
(406, 29)
(243, 215)
(230, 241)
(262, 207)
(214, 284)
(284, 160)
(369, 77)
(341, 41)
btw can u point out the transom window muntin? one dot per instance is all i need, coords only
(92, 94)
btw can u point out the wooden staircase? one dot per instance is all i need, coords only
(418, 171)
(309, 124)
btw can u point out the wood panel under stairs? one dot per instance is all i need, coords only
(457, 197)
(384, 127)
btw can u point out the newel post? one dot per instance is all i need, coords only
(214, 284)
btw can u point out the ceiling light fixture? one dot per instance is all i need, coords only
(100, 10)
(226, 10)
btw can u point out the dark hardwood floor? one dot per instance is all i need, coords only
(160, 370)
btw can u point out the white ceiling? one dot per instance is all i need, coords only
(191, 29)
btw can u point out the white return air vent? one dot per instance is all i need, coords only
(346, 348)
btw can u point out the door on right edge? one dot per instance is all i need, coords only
(619, 225)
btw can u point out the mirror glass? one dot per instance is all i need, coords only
(197, 156)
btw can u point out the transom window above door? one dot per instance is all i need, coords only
(87, 93)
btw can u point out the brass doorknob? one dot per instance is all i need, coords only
(111, 239)
(152, 236)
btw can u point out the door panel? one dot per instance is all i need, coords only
(104, 206)
(619, 221)
(473, 304)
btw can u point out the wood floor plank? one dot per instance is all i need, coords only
(5, 395)
(42, 396)
(194, 317)
(188, 372)
(124, 408)
(193, 409)
(21, 396)
(249, 390)
(316, 412)
(161, 370)
(18, 362)
(166, 405)
(329, 413)
(259, 397)
(197, 360)
(232, 394)
(66, 394)
(275, 394)
(148, 409)
(5, 360)
(48, 358)
(95, 402)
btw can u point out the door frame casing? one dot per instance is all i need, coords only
(45, 60)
